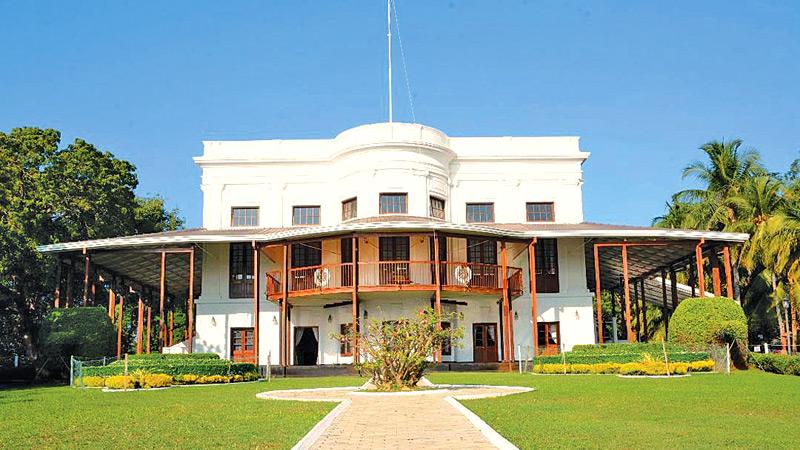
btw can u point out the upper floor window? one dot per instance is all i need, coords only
(349, 209)
(305, 215)
(240, 280)
(244, 216)
(539, 212)
(394, 203)
(480, 212)
(437, 207)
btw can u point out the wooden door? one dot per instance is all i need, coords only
(484, 342)
(549, 338)
(243, 345)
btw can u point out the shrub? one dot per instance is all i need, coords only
(212, 379)
(120, 382)
(572, 358)
(631, 368)
(85, 332)
(172, 356)
(175, 367)
(155, 380)
(637, 348)
(705, 321)
(93, 381)
(780, 364)
(396, 353)
(187, 379)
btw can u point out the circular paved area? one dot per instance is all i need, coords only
(431, 419)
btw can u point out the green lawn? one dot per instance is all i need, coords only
(223, 416)
(748, 409)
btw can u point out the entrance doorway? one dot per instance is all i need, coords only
(306, 346)
(243, 345)
(549, 338)
(484, 342)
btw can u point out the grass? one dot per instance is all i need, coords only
(223, 416)
(748, 409)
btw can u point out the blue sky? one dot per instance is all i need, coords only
(643, 83)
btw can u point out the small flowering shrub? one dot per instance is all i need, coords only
(119, 382)
(93, 381)
(155, 380)
(634, 368)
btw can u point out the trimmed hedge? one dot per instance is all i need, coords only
(172, 356)
(623, 358)
(651, 348)
(174, 367)
(704, 321)
(633, 368)
(775, 363)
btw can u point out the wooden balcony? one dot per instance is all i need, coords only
(385, 276)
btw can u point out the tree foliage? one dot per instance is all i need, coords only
(50, 194)
(704, 321)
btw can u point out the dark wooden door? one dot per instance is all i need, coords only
(484, 342)
(243, 345)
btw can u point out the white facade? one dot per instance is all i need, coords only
(362, 163)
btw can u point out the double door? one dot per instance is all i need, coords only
(484, 342)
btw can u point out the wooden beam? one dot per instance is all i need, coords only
(119, 326)
(149, 315)
(534, 305)
(598, 294)
(644, 311)
(627, 291)
(256, 295)
(507, 352)
(171, 327)
(140, 317)
(162, 335)
(190, 309)
(85, 277)
(701, 278)
(664, 311)
(454, 302)
(637, 310)
(716, 279)
(673, 282)
(283, 331)
(438, 292)
(111, 297)
(726, 258)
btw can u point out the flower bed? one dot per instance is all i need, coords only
(155, 380)
(634, 368)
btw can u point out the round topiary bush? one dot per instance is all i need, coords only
(708, 321)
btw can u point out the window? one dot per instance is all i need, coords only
(344, 342)
(349, 209)
(482, 251)
(549, 337)
(242, 345)
(394, 248)
(240, 283)
(305, 215)
(480, 212)
(437, 208)
(306, 254)
(546, 266)
(396, 203)
(346, 252)
(539, 212)
(447, 346)
(244, 216)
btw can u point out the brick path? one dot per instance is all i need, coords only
(422, 419)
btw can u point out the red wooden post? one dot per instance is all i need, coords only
(111, 297)
(598, 294)
(149, 315)
(701, 279)
(637, 310)
(57, 300)
(507, 351)
(162, 336)
(438, 292)
(171, 326)
(140, 317)
(627, 289)
(664, 311)
(354, 258)
(85, 277)
(284, 351)
(715, 275)
(190, 310)
(534, 306)
(256, 303)
(119, 326)
(726, 257)
(644, 312)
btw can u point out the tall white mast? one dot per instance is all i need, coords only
(389, 36)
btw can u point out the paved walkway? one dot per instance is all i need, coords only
(430, 419)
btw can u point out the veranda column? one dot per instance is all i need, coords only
(57, 293)
(637, 311)
(664, 313)
(111, 297)
(627, 290)
(534, 306)
(283, 331)
(140, 317)
(507, 351)
(149, 315)
(644, 312)
(726, 258)
(715, 275)
(85, 277)
(673, 281)
(119, 326)
(598, 294)
(190, 309)
(256, 305)
(355, 327)
(162, 325)
(701, 279)
(438, 292)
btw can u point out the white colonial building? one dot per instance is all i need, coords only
(311, 236)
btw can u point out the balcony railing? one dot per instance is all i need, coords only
(396, 275)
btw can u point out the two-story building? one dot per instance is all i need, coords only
(304, 239)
